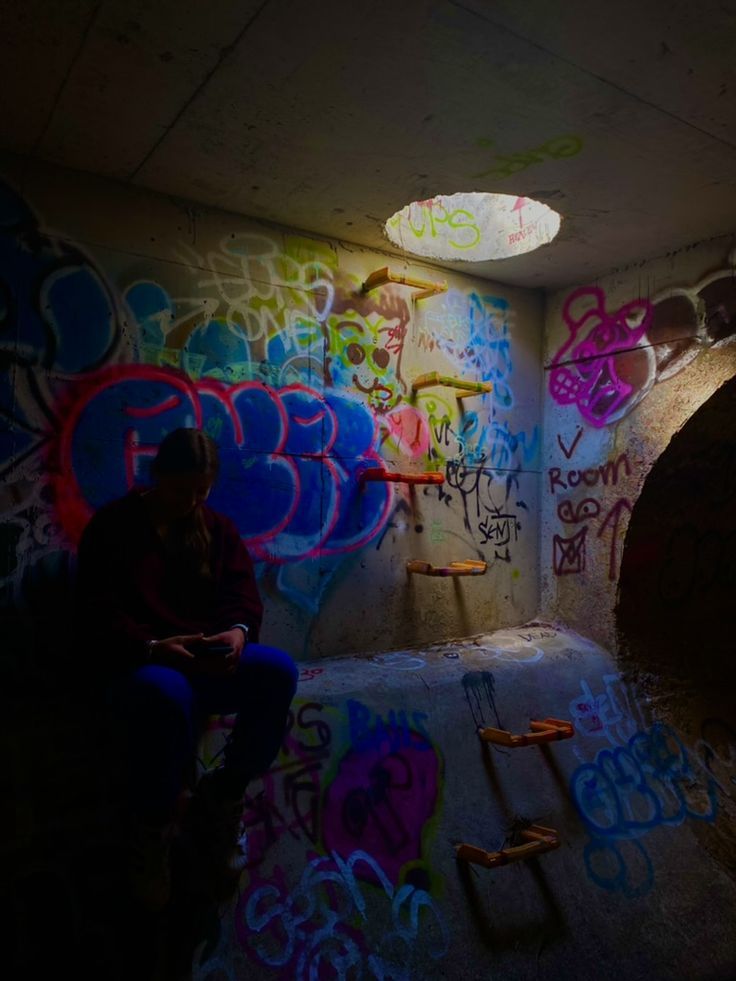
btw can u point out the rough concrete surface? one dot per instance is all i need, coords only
(352, 833)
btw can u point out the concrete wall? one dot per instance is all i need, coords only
(128, 314)
(628, 361)
(638, 516)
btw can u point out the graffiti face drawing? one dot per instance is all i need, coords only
(365, 342)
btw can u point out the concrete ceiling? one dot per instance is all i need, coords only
(330, 115)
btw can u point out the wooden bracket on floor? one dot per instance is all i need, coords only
(466, 567)
(381, 277)
(546, 731)
(463, 389)
(537, 840)
(378, 473)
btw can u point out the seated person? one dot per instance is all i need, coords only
(169, 613)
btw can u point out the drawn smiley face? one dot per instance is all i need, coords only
(365, 354)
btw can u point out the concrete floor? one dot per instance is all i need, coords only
(352, 833)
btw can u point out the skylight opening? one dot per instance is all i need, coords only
(473, 226)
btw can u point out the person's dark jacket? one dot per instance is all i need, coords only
(129, 590)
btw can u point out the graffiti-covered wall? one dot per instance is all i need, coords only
(630, 361)
(126, 315)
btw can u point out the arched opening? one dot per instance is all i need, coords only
(676, 610)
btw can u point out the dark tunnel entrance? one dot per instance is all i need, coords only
(676, 608)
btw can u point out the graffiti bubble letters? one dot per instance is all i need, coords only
(309, 932)
(628, 791)
(650, 782)
(620, 866)
(369, 729)
(607, 473)
(250, 283)
(600, 367)
(287, 456)
(569, 553)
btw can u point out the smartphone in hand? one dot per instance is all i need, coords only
(212, 650)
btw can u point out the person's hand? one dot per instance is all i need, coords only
(220, 664)
(173, 652)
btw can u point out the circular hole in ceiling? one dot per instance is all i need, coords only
(473, 226)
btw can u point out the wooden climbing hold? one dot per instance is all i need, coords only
(463, 389)
(536, 838)
(381, 277)
(378, 473)
(466, 567)
(546, 731)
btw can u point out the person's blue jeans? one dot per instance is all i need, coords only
(163, 714)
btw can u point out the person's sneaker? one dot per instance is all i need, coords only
(149, 867)
(213, 824)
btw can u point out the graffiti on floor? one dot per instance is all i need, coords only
(613, 714)
(522, 647)
(651, 782)
(396, 727)
(381, 800)
(355, 791)
(398, 661)
(332, 920)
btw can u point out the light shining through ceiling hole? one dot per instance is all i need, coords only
(473, 226)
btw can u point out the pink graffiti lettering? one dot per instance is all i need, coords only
(289, 457)
(407, 428)
(519, 236)
(595, 368)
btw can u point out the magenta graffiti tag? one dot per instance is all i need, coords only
(589, 368)
(380, 800)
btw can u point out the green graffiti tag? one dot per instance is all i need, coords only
(423, 217)
(505, 165)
